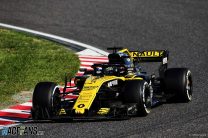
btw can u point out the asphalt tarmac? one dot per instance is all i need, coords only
(180, 26)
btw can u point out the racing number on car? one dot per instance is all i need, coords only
(81, 106)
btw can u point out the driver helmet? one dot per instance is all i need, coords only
(98, 70)
(127, 61)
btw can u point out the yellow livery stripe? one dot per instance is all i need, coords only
(89, 91)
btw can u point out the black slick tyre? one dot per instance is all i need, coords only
(178, 81)
(45, 100)
(138, 91)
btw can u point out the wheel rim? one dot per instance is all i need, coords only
(146, 98)
(189, 85)
(56, 99)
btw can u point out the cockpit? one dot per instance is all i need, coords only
(109, 70)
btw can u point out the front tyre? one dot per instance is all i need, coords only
(45, 101)
(178, 81)
(138, 91)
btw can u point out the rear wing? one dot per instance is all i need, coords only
(150, 56)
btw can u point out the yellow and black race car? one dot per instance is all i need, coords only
(114, 90)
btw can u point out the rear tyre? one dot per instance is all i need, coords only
(46, 99)
(178, 81)
(138, 92)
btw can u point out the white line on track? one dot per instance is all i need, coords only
(16, 111)
(87, 63)
(27, 104)
(2, 119)
(85, 67)
(91, 60)
(57, 38)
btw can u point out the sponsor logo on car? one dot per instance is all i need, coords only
(113, 83)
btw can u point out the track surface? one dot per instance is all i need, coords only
(176, 25)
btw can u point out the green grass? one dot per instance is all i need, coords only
(26, 60)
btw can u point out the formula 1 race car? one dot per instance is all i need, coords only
(114, 90)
